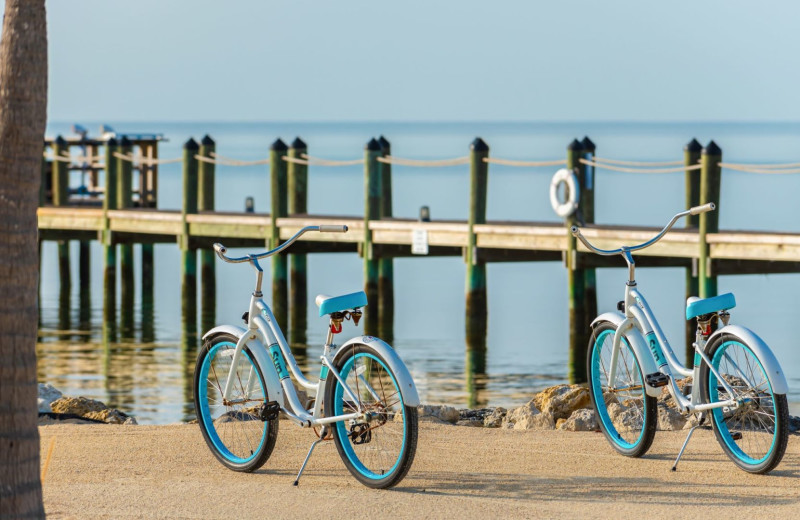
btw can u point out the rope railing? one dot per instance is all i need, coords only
(228, 161)
(763, 168)
(637, 163)
(525, 164)
(139, 160)
(457, 161)
(317, 161)
(640, 170)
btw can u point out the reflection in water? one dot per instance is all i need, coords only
(476, 378)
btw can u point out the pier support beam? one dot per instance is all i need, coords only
(278, 188)
(298, 282)
(576, 279)
(587, 211)
(188, 254)
(691, 157)
(205, 202)
(710, 177)
(386, 265)
(125, 201)
(60, 190)
(109, 248)
(372, 211)
(476, 298)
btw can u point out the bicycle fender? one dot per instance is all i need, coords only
(635, 339)
(260, 354)
(404, 380)
(776, 377)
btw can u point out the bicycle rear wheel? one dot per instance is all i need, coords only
(233, 430)
(754, 434)
(378, 450)
(625, 413)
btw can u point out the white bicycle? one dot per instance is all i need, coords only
(365, 398)
(736, 378)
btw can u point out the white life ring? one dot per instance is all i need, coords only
(568, 207)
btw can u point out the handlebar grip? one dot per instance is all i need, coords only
(328, 228)
(702, 209)
(220, 249)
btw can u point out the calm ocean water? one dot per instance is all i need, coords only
(528, 331)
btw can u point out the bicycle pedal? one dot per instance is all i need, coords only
(269, 411)
(656, 379)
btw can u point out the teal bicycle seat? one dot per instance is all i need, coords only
(328, 304)
(698, 306)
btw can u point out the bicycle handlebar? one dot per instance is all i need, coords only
(327, 228)
(576, 232)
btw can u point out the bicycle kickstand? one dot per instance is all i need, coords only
(680, 454)
(310, 451)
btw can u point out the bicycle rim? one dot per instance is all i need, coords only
(620, 403)
(749, 432)
(374, 448)
(235, 430)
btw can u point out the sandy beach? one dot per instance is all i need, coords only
(108, 471)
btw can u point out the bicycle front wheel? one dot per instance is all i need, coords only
(377, 448)
(233, 429)
(625, 413)
(753, 434)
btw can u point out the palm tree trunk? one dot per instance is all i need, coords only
(23, 114)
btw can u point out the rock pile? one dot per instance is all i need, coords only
(54, 405)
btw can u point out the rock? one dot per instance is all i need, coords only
(669, 418)
(794, 424)
(583, 420)
(470, 422)
(77, 405)
(625, 418)
(111, 416)
(439, 411)
(528, 417)
(561, 401)
(47, 394)
(495, 419)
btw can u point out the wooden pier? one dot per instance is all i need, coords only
(130, 216)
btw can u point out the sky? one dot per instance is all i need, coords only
(418, 60)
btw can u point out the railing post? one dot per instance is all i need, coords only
(372, 211)
(109, 247)
(710, 180)
(576, 280)
(125, 201)
(278, 188)
(386, 265)
(298, 286)
(587, 210)
(691, 157)
(60, 189)
(188, 253)
(476, 299)
(205, 202)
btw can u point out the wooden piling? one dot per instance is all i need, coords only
(188, 254)
(710, 180)
(125, 201)
(205, 202)
(588, 185)
(476, 300)
(576, 281)
(691, 157)
(386, 265)
(147, 199)
(109, 248)
(278, 189)
(372, 211)
(298, 285)
(60, 189)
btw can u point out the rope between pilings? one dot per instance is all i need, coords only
(529, 164)
(457, 161)
(227, 161)
(139, 160)
(762, 168)
(316, 161)
(640, 170)
(637, 163)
